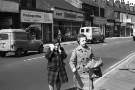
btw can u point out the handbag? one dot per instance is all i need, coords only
(95, 67)
(97, 71)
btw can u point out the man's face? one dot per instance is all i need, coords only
(83, 41)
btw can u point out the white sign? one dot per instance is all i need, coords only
(9, 6)
(68, 15)
(36, 17)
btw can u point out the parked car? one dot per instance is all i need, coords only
(93, 34)
(18, 41)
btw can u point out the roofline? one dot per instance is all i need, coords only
(11, 30)
(69, 10)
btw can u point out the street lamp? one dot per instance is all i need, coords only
(52, 9)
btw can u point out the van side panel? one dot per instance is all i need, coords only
(5, 41)
(20, 40)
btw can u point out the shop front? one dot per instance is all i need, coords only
(109, 29)
(100, 22)
(118, 29)
(38, 23)
(126, 25)
(68, 23)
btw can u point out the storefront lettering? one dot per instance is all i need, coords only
(59, 14)
(68, 15)
(33, 16)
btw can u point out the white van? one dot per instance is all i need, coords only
(93, 34)
(134, 34)
(18, 41)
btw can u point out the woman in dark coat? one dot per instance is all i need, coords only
(56, 67)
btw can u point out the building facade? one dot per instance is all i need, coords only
(47, 18)
(94, 14)
(67, 19)
(9, 14)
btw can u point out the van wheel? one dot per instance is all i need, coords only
(2, 54)
(40, 50)
(25, 52)
(93, 41)
(18, 52)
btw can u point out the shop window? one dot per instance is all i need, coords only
(96, 11)
(3, 36)
(102, 12)
(28, 3)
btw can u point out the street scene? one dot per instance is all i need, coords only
(67, 44)
(30, 72)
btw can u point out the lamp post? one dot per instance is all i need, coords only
(52, 9)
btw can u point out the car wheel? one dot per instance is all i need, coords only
(133, 38)
(25, 52)
(18, 52)
(40, 50)
(2, 54)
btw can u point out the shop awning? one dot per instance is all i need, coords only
(61, 4)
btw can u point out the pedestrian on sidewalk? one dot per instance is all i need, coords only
(56, 67)
(82, 59)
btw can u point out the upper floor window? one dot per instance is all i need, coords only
(102, 12)
(28, 3)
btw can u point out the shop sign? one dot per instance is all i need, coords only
(9, 6)
(36, 17)
(110, 24)
(61, 14)
(99, 20)
(123, 24)
(48, 18)
(117, 23)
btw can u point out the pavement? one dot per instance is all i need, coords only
(120, 76)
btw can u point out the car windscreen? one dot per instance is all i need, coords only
(3, 36)
(20, 36)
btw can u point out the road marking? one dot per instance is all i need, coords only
(34, 58)
(115, 66)
(104, 44)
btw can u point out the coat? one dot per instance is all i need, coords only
(80, 57)
(56, 66)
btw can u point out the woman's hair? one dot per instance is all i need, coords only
(80, 36)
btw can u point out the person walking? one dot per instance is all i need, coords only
(56, 67)
(82, 61)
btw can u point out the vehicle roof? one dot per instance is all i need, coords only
(89, 27)
(11, 30)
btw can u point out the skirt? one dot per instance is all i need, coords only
(59, 76)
